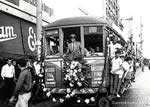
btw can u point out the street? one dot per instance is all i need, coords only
(137, 96)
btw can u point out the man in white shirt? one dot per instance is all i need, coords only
(8, 75)
(116, 74)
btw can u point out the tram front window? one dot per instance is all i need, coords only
(94, 42)
(52, 45)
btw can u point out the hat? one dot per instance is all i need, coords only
(73, 35)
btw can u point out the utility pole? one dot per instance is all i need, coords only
(39, 27)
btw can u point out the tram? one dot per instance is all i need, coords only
(63, 76)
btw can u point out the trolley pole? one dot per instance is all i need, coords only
(39, 27)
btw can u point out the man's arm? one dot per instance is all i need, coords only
(2, 72)
(14, 75)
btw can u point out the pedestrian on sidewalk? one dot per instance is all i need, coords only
(23, 87)
(8, 75)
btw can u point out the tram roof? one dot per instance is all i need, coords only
(77, 21)
(71, 21)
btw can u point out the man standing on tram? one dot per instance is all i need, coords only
(116, 74)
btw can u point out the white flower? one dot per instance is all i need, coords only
(71, 85)
(61, 100)
(72, 94)
(40, 75)
(44, 89)
(71, 71)
(54, 100)
(65, 78)
(92, 99)
(48, 94)
(67, 96)
(78, 101)
(79, 70)
(76, 78)
(68, 70)
(87, 101)
(75, 71)
(79, 84)
(74, 74)
(82, 79)
(43, 85)
(67, 63)
(68, 90)
(73, 64)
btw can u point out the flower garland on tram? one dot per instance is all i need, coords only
(77, 75)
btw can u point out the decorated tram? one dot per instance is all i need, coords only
(84, 76)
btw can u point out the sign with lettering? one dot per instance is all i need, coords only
(10, 36)
(7, 33)
(29, 37)
(32, 39)
(50, 77)
(17, 37)
(93, 30)
(97, 70)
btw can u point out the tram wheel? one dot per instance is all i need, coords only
(103, 102)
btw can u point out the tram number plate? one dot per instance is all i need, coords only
(96, 68)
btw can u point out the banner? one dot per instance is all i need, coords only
(29, 37)
(17, 37)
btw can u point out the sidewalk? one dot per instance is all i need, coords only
(138, 72)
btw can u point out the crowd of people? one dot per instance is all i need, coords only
(17, 81)
(122, 74)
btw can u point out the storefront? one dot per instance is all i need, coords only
(18, 28)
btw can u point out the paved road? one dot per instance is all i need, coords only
(137, 96)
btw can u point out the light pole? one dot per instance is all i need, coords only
(39, 27)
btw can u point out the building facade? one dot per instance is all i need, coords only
(18, 27)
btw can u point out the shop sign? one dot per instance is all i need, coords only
(7, 33)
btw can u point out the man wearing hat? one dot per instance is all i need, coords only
(74, 47)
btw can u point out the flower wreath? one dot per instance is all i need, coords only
(76, 73)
